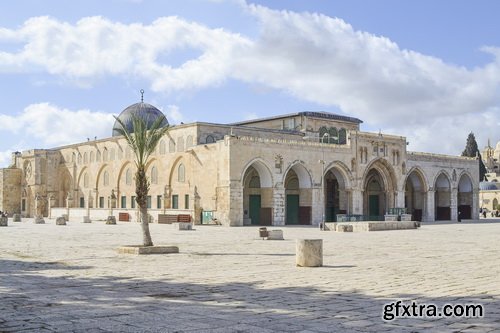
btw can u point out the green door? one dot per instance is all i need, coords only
(373, 209)
(292, 209)
(255, 208)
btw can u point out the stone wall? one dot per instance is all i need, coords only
(10, 190)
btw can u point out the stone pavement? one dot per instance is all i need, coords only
(71, 279)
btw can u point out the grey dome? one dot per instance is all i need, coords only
(143, 110)
(488, 186)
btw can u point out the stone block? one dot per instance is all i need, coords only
(309, 252)
(275, 234)
(344, 228)
(4, 221)
(111, 220)
(16, 218)
(139, 249)
(185, 226)
(39, 220)
(331, 226)
(390, 217)
(86, 219)
(405, 217)
(60, 221)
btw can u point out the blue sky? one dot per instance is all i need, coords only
(427, 70)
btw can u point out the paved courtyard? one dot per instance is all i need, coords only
(71, 279)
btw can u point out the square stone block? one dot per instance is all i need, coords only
(275, 234)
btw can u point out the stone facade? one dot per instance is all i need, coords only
(301, 168)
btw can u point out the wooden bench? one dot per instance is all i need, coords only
(173, 218)
(125, 217)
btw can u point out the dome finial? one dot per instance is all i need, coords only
(142, 95)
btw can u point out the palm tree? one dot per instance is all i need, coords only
(143, 141)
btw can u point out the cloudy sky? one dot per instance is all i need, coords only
(428, 70)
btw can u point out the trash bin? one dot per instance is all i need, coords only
(263, 232)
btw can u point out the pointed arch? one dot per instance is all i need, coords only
(265, 174)
(304, 177)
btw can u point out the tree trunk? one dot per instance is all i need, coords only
(146, 236)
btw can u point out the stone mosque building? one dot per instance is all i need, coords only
(298, 168)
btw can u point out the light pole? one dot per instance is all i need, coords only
(322, 161)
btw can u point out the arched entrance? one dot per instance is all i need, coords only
(375, 196)
(415, 195)
(298, 195)
(442, 199)
(336, 196)
(464, 197)
(257, 195)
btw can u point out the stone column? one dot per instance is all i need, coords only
(318, 206)
(400, 199)
(357, 201)
(454, 204)
(430, 214)
(235, 205)
(475, 205)
(69, 200)
(279, 205)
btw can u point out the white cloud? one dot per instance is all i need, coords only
(174, 116)
(311, 56)
(5, 158)
(51, 125)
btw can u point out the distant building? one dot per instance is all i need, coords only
(490, 189)
(299, 168)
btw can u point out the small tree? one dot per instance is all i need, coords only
(143, 141)
(471, 150)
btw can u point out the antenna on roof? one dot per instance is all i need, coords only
(142, 95)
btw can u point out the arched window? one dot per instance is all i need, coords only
(495, 204)
(112, 154)
(180, 144)
(189, 141)
(163, 147)
(171, 146)
(105, 155)
(106, 178)
(210, 139)
(334, 135)
(73, 157)
(92, 157)
(86, 180)
(254, 182)
(181, 174)
(342, 136)
(154, 175)
(322, 131)
(127, 153)
(98, 156)
(128, 177)
(79, 158)
(120, 153)
(85, 158)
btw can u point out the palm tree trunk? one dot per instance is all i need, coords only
(146, 236)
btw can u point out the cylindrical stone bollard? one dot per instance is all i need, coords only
(309, 252)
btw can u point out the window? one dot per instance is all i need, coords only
(154, 175)
(322, 131)
(86, 180)
(106, 178)
(120, 153)
(163, 147)
(105, 155)
(79, 158)
(23, 205)
(210, 139)
(92, 157)
(334, 135)
(181, 174)
(291, 124)
(128, 177)
(158, 201)
(342, 136)
(186, 201)
(132, 202)
(112, 154)
(85, 158)
(148, 201)
(82, 202)
(171, 146)
(98, 156)
(254, 182)
(101, 202)
(189, 141)
(175, 201)
(124, 202)
(180, 144)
